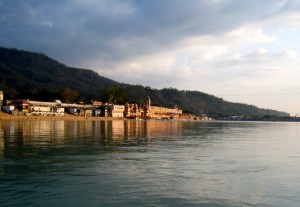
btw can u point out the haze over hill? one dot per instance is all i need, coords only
(36, 76)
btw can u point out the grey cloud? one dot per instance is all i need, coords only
(76, 32)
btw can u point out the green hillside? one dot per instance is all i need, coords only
(30, 73)
(35, 76)
(197, 103)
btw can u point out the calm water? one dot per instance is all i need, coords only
(149, 163)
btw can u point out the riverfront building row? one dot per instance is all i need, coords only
(57, 108)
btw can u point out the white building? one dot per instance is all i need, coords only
(117, 110)
(43, 108)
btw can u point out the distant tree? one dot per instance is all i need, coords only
(115, 95)
(68, 95)
(38, 96)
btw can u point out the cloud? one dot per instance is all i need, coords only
(82, 32)
(250, 35)
(258, 71)
(120, 30)
(186, 59)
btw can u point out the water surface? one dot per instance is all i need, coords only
(149, 163)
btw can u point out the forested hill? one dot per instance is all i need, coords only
(27, 72)
(198, 103)
(32, 75)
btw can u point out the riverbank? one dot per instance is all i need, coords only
(5, 116)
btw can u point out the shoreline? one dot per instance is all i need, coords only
(68, 117)
(5, 116)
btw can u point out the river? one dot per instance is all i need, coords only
(149, 163)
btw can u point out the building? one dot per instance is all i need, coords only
(1, 99)
(109, 110)
(148, 111)
(14, 106)
(104, 110)
(132, 111)
(116, 110)
(8, 109)
(78, 109)
(160, 112)
(39, 108)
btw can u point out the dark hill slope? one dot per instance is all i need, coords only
(23, 72)
(26, 72)
(197, 102)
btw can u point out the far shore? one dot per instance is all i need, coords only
(5, 116)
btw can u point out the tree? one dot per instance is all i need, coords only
(68, 95)
(115, 95)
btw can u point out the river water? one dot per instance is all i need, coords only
(149, 163)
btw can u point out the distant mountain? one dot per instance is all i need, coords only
(198, 103)
(32, 75)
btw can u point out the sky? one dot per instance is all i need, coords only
(239, 50)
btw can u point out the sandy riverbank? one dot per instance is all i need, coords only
(5, 116)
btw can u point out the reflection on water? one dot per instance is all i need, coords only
(117, 132)
(106, 133)
(149, 163)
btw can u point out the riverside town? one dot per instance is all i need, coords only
(26, 107)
